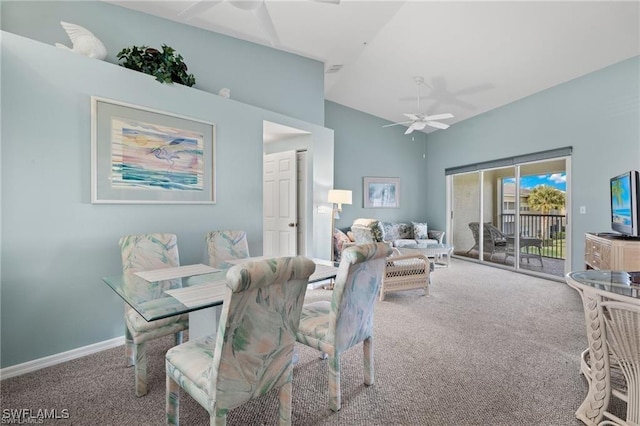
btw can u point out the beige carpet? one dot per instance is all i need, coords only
(488, 347)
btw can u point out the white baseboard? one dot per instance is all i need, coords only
(48, 361)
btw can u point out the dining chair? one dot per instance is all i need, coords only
(622, 324)
(336, 326)
(252, 351)
(143, 253)
(226, 245)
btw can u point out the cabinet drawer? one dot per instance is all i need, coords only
(597, 254)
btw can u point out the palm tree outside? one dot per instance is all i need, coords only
(545, 198)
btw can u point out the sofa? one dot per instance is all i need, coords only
(396, 234)
(403, 234)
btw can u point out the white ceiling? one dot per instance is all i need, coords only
(474, 56)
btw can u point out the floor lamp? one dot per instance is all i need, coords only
(337, 197)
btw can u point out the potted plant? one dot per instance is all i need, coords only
(165, 65)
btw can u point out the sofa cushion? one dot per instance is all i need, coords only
(420, 230)
(404, 242)
(367, 231)
(406, 230)
(423, 243)
(390, 231)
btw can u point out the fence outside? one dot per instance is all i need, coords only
(548, 227)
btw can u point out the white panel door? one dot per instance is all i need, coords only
(280, 204)
(302, 210)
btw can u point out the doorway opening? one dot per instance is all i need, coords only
(286, 181)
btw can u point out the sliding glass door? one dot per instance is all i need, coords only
(466, 205)
(513, 216)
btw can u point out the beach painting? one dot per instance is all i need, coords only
(151, 156)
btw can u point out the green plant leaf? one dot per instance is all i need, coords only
(166, 65)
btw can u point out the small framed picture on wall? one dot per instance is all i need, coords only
(381, 192)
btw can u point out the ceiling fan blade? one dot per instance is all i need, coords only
(267, 23)
(412, 117)
(395, 124)
(410, 129)
(419, 125)
(198, 8)
(439, 116)
(437, 125)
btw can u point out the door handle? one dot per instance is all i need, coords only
(292, 225)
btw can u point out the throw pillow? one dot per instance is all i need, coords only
(420, 231)
(362, 235)
(376, 231)
(339, 238)
(390, 231)
(405, 231)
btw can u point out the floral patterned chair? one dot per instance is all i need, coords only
(334, 327)
(252, 351)
(143, 253)
(226, 245)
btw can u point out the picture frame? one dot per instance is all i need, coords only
(381, 192)
(141, 155)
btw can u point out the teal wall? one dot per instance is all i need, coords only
(363, 148)
(597, 114)
(267, 78)
(56, 245)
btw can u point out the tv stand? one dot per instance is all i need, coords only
(611, 251)
(616, 236)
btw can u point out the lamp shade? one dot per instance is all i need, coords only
(339, 196)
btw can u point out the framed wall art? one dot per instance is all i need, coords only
(145, 156)
(381, 192)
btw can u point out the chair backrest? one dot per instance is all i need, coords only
(367, 231)
(490, 234)
(226, 245)
(496, 235)
(622, 322)
(355, 292)
(147, 252)
(258, 325)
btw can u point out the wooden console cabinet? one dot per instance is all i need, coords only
(611, 252)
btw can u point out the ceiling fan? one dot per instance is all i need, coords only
(419, 120)
(257, 7)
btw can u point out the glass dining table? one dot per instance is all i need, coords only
(198, 290)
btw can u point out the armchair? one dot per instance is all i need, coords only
(336, 326)
(405, 272)
(494, 241)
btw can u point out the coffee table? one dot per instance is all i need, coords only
(440, 253)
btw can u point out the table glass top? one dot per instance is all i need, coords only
(619, 282)
(171, 295)
(157, 299)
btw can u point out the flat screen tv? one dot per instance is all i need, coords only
(625, 191)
